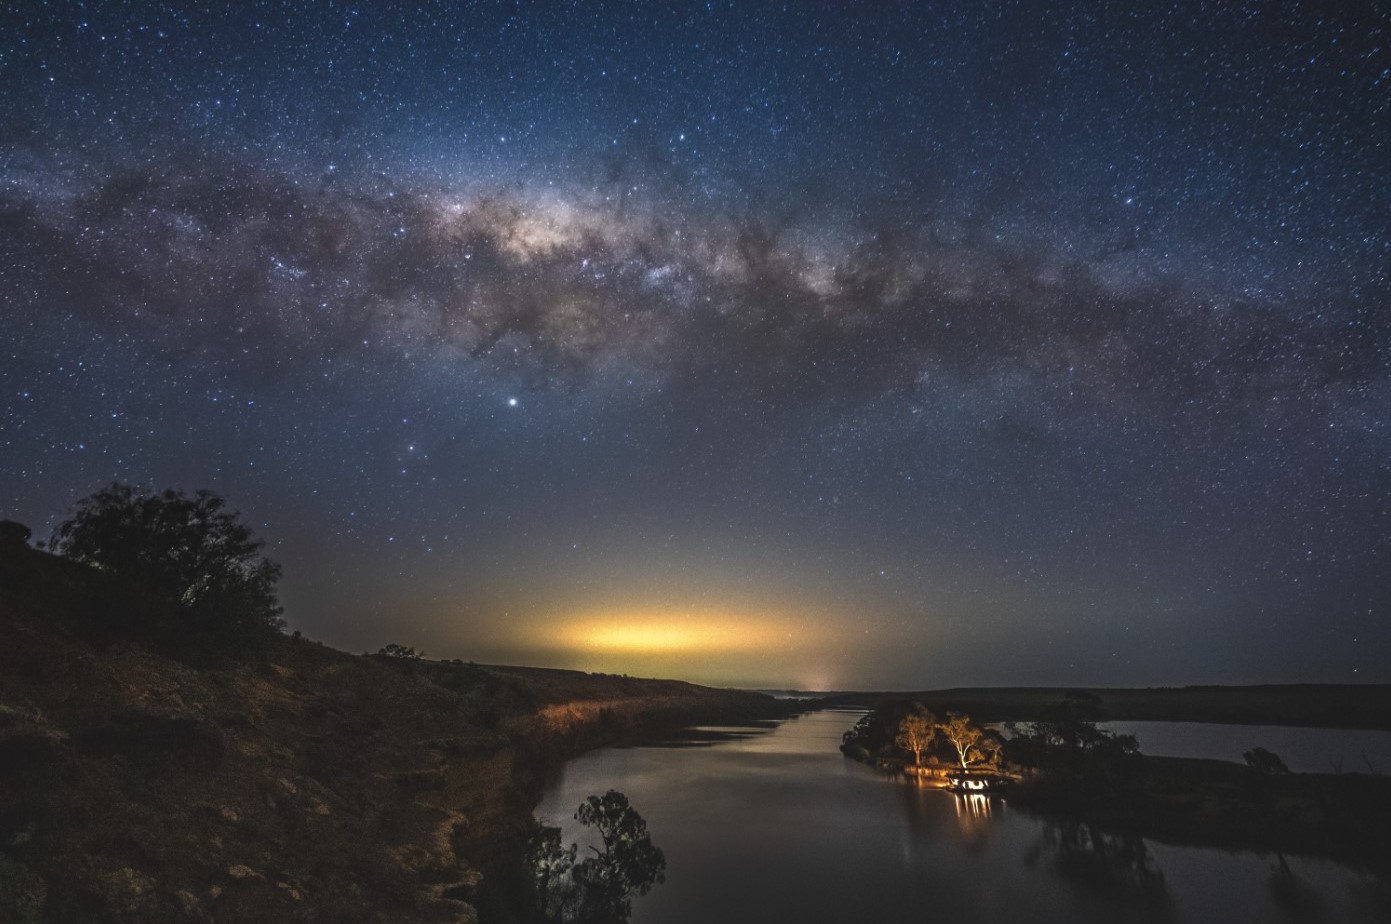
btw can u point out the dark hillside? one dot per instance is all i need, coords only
(299, 784)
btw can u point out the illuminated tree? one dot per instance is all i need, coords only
(973, 745)
(916, 732)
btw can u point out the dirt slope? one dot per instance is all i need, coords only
(310, 785)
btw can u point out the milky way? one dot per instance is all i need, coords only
(928, 346)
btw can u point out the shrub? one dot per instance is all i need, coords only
(189, 552)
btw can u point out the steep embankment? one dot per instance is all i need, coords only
(308, 785)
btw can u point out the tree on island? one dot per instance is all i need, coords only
(916, 731)
(191, 552)
(973, 745)
(1068, 733)
(1072, 723)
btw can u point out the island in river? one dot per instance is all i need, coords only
(1053, 758)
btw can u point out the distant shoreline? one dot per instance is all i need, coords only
(1348, 706)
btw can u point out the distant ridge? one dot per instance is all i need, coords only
(1317, 705)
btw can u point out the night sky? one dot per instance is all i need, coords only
(808, 344)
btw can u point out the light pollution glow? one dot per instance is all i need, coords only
(647, 634)
(721, 648)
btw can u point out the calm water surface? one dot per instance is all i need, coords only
(775, 825)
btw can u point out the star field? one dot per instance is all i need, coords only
(928, 344)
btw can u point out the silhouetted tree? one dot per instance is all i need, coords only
(400, 651)
(916, 731)
(191, 551)
(1071, 722)
(598, 889)
(629, 863)
(1264, 761)
(1069, 735)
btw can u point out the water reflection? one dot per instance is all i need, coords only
(1115, 867)
(975, 818)
(766, 825)
(704, 736)
(1295, 898)
(933, 814)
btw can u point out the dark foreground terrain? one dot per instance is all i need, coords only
(301, 784)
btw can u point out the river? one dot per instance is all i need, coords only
(773, 825)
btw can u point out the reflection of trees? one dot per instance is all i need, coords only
(1117, 867)
(1292, 895)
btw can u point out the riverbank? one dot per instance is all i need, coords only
(306, 784)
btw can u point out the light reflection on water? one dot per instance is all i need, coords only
(769, 825)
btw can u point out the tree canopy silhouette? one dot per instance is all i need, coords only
(403, 652)
(1264, 761)
(629, 864)
(188, 550)
(598, 889)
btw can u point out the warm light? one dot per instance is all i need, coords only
(642, 638)
(668, 635)
(758, 644)
(974, 805)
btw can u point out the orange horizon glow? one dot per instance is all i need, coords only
(681, 633)
(740, 640)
